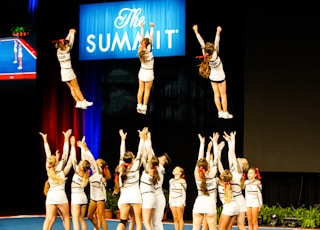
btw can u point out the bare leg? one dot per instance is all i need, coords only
(140, 92)
(75, 90)
(146, 216)
(65, 212)
(217, 99)
(100, 213)
(223, 94)
(132, 219)
(197, 221)
(212, 221)
(91, 214)
(51, 215)
(240, 221)
(147, 89)
(75, 212)
(138, 215)
(124, 214)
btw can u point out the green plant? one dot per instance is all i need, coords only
(112, 201)
(307, 218)
(310, 218)
(20, 29)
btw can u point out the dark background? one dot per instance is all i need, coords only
(271, 62)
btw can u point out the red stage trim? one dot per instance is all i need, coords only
(18, 76)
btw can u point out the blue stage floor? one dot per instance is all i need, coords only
(35, 222)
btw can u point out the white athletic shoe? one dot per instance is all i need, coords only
(144, 109)
(86, 103)
(80, 105)
(20, 67)
(139, 108)
(220, 114)
(227, 115)
(14, 62)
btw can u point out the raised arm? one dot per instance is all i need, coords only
(200, 39)
(141, 147)
(201, 147)
(151, 32)
(217, 149)
(231, 139)
(141, 31)
(123, 136)
(148, 146)
(65, 154)
(208, 154)
(73, 154)
(217, 39)
(62, 165)
(66, 145)
(45, 144)
(70, 37)
(87, 155)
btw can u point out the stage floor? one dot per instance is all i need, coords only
(35, 222)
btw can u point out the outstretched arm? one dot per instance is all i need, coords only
(73, 154)
(141, 31)
(70, 37)
(148, 146)
(87, 155)
(45, 144)
(231, 139)
(217, 149)
(66, 145)
(201, 148)
(217, 39)
(65, 154)
(151, 32)
(123, 136)
(208, 154)
(200, 39)
(141, 147)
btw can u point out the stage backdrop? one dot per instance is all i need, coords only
(111, 30)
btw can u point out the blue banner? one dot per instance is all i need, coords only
(111, 30)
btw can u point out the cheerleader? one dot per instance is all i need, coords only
(57, 169)
(98, 182)
(238, 167)
(253, 195)
(128, 181)
(149, 178)
(230, 208)
(146, 72)
(20, 56)
(80, 179)
(15, 51)
(64, 46)
(205, 204)
(177, 197)
(217, 75)
(164, 160)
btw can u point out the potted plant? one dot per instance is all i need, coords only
(111, 203)
(289, 216)
(20, 30)
(310, 218)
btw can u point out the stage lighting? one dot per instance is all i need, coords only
(274, 220)
(291, 221)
